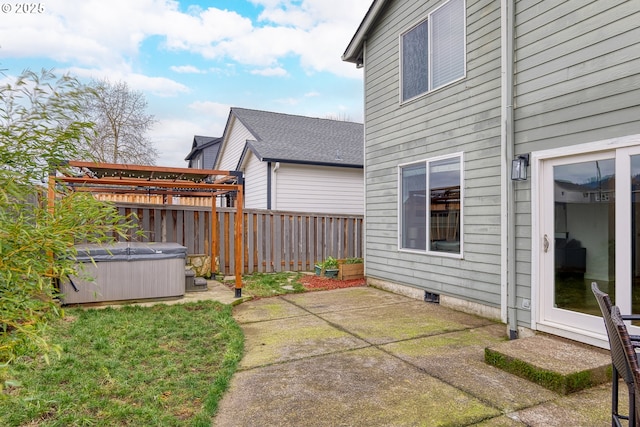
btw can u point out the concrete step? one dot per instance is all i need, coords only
(555, 363)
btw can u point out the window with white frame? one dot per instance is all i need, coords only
(431, 205)
(433, 51)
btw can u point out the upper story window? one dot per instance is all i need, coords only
(433, 52)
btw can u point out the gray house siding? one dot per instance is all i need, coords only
(461, 117)
(576, 83)
(577, 80)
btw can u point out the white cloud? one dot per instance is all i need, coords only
(293, 18)
(159, 86)
(100, 34)
(197, 33)
(214, 110)
(271, 72)
(316, 31)
(186, 69)
(105, 39)
(173, 137)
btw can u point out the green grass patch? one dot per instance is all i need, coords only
(165, 365)
(272, 284)
(562, 384)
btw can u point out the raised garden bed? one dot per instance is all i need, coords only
(350, 269)
(341, 269)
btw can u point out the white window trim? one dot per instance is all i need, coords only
(430, 41)
(428, 251)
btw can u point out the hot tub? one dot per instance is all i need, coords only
(126, 271)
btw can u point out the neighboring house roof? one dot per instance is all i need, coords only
(207, 145)
(304, 140)
(354, 51)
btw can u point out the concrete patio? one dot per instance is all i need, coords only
(366, 357)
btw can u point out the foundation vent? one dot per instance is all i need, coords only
(431, 297)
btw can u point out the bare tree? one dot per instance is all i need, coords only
(120, 124)
(340, 117)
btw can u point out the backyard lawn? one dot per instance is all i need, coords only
(165, 365)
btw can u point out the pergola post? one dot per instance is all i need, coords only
(51, 192)
(214, 233)
(238, 242)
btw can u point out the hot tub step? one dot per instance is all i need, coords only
(199, 284)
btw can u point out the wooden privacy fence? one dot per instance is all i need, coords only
(273, 240)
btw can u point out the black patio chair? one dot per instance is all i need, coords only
(623, 339)
(620, 367)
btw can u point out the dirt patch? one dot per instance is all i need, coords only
(316, 283)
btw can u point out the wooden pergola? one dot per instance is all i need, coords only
(167, 181)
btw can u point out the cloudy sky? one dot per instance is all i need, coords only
(193, 59)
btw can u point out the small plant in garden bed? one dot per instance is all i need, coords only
(328, 267)
(330, 263)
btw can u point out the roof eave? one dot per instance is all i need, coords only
(312, 163)
(195, 149)
(353, 53)
(248, 147)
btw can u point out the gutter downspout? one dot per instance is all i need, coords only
(269, 185)
(508, 251)
(364, 157)
(274, 188)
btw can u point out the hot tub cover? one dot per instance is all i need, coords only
(129, 251)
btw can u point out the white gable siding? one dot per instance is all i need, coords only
(233, 145)
(306, 188)
(461, 117)
(255, 183)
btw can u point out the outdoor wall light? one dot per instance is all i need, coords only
(519, 167)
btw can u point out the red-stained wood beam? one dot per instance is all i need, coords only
(146, 168)
(146, 183)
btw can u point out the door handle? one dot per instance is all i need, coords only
(546, 244)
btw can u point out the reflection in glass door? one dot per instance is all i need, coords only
(584, 233)
(589, 216)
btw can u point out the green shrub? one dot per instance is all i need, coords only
(40, 125)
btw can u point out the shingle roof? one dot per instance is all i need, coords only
(208, 146)
(298, 139)
(200, 140)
